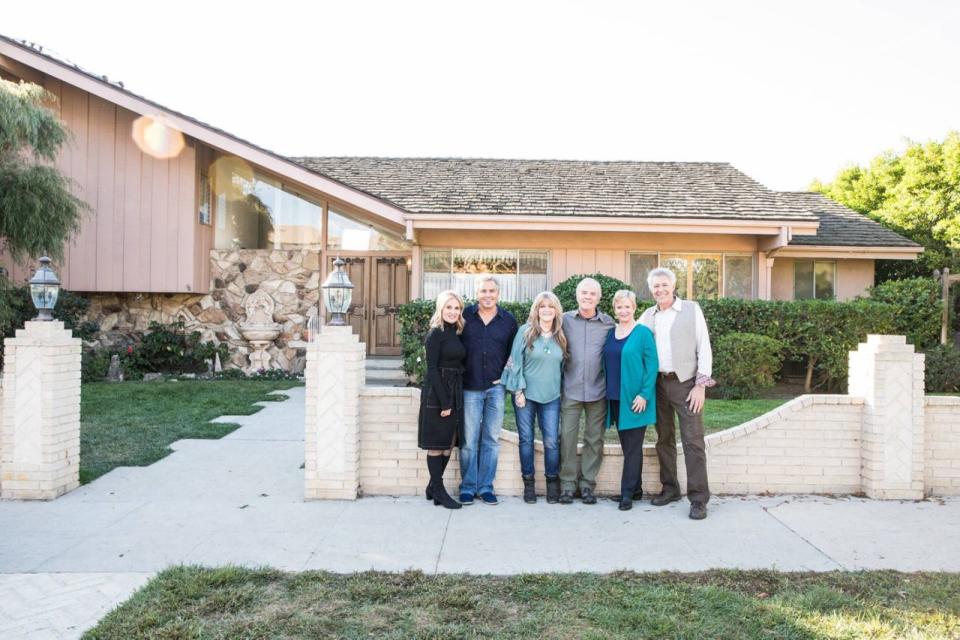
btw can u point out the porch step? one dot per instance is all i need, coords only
(385, 371)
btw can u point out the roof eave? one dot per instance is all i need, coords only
(863, 252)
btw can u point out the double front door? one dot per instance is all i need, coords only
(380, 285)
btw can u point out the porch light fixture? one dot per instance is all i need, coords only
(337, 294)
(44, 289)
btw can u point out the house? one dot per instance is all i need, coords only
(188, 220)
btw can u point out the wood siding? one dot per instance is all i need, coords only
(142, 233)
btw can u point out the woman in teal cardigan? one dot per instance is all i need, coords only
(630, 361)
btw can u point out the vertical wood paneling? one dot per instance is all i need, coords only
(574, 262)
(136, 239)
(103, 117)
(83, 162)
(171, 225)
(145, 225)
(160, 250)
(186, 218)
(558, 266)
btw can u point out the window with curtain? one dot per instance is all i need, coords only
(641, 264)
(521, 274)
(814, 279)
(698, 276)
(738, 277)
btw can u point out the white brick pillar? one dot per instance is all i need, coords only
(334, 377)
(40, 427)
(888, 375)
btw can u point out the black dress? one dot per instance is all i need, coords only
(442, 389)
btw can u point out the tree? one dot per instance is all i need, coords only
(917, 194)
(37, 211)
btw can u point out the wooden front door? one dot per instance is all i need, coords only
(380, 285)
(390, 288)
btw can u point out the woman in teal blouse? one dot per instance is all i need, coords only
(630, 362)
(533, 375)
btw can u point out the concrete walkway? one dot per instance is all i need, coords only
(238, 500)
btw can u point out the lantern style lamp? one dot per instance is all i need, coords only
(337, 294)
(44, 289)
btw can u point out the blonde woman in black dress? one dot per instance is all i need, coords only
(441, 400)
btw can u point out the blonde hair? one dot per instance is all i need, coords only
(436, 321)
(623, 293)
(533, 321)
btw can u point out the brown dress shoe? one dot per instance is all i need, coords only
(662, 499)
(698, 510)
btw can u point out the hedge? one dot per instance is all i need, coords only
(746, 363)
(817, 332)
(919, 308)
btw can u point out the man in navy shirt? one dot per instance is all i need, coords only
(488, 334)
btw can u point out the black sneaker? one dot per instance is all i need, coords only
(566, 497)
(586, 494)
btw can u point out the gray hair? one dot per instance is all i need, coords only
(658, 272)
(624, 293)
(485, 277)
(589, 282)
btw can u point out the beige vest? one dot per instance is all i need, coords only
(683, 338)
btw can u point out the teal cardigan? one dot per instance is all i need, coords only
(638, 376)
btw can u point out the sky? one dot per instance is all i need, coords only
(785, 91)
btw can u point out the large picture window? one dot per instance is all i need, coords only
(522, 274)
(814, 279)
(261, 213)
(699, 276)
(347, 234)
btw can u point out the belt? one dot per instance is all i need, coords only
(668, 375)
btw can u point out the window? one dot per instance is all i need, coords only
(203, 214)
(641, 264)
(344, 233)
(521, 274)
(698, 276)
(814, 279)
(738, 277)
(261, 213)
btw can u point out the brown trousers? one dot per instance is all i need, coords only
(672, 400)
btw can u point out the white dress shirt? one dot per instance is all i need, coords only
(660, 323)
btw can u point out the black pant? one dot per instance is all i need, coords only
(631, 441)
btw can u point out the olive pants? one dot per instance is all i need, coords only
(592, 454)
(672, 399)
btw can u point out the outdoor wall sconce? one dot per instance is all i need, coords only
(338, 293)
(44, 289)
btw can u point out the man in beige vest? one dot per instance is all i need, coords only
(686, 363)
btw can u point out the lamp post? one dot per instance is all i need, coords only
(337, 294)
(44, 289)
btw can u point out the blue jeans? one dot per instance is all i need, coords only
(547, 415)
(482, 421)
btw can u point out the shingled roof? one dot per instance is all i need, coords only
(562, 187)
(841, 226)
(588, 188)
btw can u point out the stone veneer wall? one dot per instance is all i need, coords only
(942, 444)
(290, 277)
(809, 445)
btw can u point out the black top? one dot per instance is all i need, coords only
(488, 346)
(444, 351)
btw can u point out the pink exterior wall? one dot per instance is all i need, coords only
(141, 234)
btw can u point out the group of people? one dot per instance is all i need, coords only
(560, 367)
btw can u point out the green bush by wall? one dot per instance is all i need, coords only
(746, 364)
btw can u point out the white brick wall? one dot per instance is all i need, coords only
(942, 446)
(40, 426)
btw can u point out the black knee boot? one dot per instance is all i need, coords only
(440, 496)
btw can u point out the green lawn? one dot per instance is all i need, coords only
(133, 423)
(717, 416)
(190, 602)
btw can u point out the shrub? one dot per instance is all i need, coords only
(94, 365)
(746, 363)
(567, 291)
(942, 369)
(918, 308)
(169, 349)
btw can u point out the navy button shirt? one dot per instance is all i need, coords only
(488, 346)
